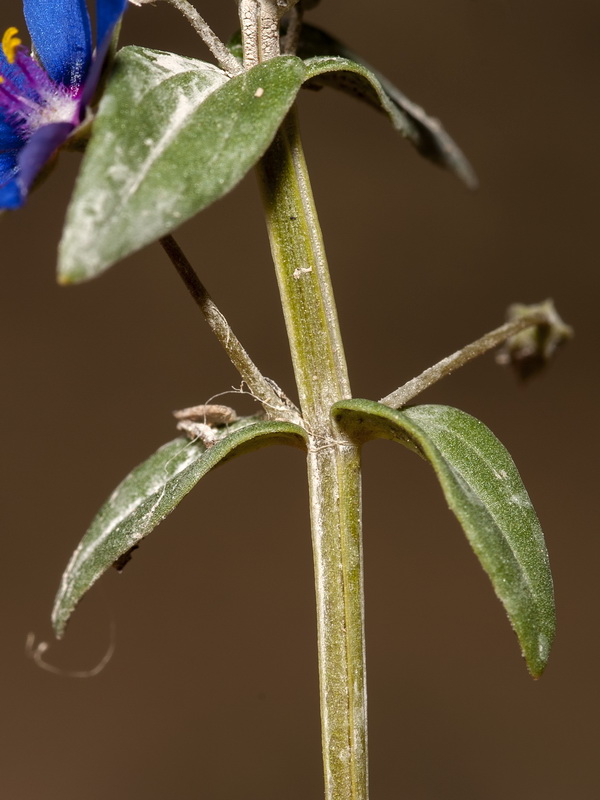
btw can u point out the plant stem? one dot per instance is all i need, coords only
(260, 31)
(537, 315)
(274, 404)
(224, 58)
(333, 460)
(303, 276)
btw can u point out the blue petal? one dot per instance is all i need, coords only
(39, 149)
(10, 139)
(11, 195)
(8, 166)
(61, 35)
(108, 13)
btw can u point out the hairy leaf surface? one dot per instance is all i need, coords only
(171, 136)
(148, 495)
(483, 488)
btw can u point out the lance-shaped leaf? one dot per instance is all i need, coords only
(148, 495)
(332, 63)
(483, 488)
(171, 136)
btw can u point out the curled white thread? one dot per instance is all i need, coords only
(36, 653)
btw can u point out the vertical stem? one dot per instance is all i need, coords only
(333, 461)
(259, 20)
(334, 490)
(303, 278)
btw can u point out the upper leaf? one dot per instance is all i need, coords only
(148, 495)
(332, 63)
(483, 488)
(172, 135)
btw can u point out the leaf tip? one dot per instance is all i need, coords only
(469, 177)
(68, 272)
(65, 603)
(59, 621)
(537, 658)
(64, 279)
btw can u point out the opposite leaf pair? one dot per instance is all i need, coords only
(477, 475)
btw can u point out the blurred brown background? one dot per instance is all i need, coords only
(212, 691)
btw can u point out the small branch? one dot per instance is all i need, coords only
(224, 58)
(533, 316)
(276, 405)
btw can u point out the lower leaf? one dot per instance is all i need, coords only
(147, 496)
(484, 489)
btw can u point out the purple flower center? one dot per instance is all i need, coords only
(29, 98)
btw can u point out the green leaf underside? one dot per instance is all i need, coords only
(484, 490)
(172, 135)
(334, 64)
(148, 494)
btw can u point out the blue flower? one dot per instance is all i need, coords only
(44, 98)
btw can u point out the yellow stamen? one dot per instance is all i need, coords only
(10, 42)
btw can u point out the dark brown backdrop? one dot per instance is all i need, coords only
(212, 691)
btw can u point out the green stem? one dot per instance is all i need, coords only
(303, 277)
(333, 460)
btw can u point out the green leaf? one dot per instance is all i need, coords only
(331, 63)
(483, 488)
(172, 135)
(148, 495)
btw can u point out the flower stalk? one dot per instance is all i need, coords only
(542, 317)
